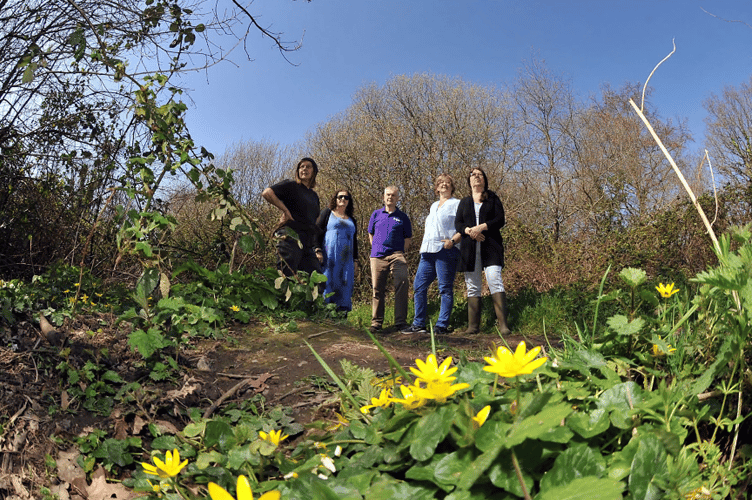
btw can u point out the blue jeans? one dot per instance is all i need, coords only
(442, 264)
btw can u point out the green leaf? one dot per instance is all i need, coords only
(588, 426)
(586, 488)
(450, 468)
(430, 431)
(148, 281)
(622, 326)
(534, 426)
(618, 403)
(649, 463)
(220, 434)
(206, 459)
(168, 442)
(633, 277)
(577, 461)
(147, 342)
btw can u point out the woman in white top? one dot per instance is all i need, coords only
(438, 258)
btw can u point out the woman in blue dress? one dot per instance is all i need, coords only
(338, 249)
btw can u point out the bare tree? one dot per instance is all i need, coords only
(548, 114)
(729, 133)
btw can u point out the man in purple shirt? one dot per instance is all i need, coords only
(390, 233)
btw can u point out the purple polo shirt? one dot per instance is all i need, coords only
(389, 231)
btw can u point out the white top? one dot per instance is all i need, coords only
(439, 225)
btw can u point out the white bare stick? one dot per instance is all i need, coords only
(680, 175)
(645, 87)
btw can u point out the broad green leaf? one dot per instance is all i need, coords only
(450, 468)
(479, 466)
(430, 431)
(387, 488)
(534, 426)
(167, 442)
(206, 459)
(650, 462)
(575, 462)
(586, 488)
(492, 435)
(588, 426)
(220, 434)
(618, 403)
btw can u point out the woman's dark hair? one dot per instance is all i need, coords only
(485, 181)
(349, 210)
(315, 171)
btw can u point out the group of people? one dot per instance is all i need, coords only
(460, 235)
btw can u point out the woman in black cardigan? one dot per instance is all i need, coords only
(479, 220)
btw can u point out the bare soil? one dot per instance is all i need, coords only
(39, 419)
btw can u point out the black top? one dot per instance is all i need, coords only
(323, 221)
(303, 204)
(492, 249)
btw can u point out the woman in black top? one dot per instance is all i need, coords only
(299, 205)
(479, 220)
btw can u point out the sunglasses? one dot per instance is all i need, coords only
(343, 196)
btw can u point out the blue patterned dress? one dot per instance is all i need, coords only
(339, 267)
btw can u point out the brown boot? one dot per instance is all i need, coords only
(500, 306)
(473, 316)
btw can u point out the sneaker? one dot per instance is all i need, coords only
(440, 330)
(374, 329)
(414, 329)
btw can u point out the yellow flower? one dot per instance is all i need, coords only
(382, 401)
(506, 364)
(666, 291)
(155, 487)
(274, 437)
(409, 399)
(216, 492)
(234, 308)
(430, 372)
(657, 351)
(480, 418)
(169, 468)
(438, 391)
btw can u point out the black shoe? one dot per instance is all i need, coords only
(374, 329)
(414, 329)
(440, 330)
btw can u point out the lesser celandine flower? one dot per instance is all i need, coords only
(506, 364)
(480, 418)
(666, 291)
(382, 401)
(234, 308)
(430, 372)
(409, 399)
(171, 467)
(437, 391)
(216, 492)
(658, 351)
(274, 437)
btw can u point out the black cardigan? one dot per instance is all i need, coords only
(492, 249)
(323, 221)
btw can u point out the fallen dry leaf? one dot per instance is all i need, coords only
(100, 489)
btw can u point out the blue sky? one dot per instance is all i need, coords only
(350, 43)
